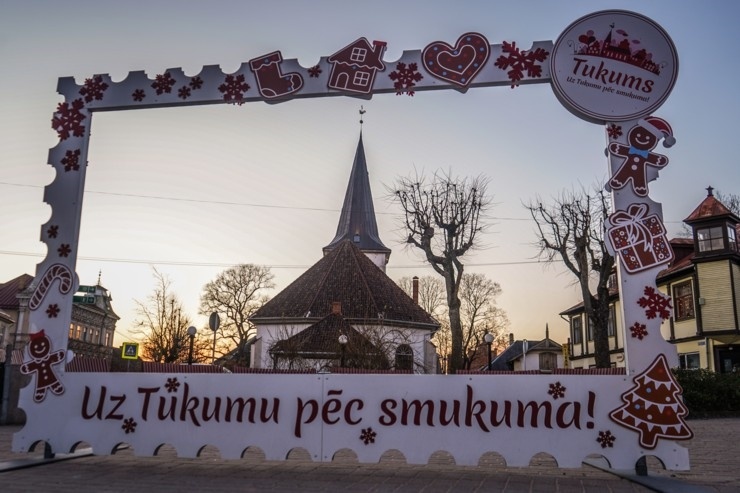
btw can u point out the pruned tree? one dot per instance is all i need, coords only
(571, 230)
(162, 324)
(442, 218)
(480, 315)
(235, 295)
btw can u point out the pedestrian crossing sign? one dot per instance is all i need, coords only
(130, 350)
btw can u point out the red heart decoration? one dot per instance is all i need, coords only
(587, 40)
(459, 64)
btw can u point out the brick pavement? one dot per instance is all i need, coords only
(715, 456)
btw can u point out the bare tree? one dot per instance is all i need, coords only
(162, 324)
(571, 230)
(442, 219)
(730, 200)
(235, 295)
(431, 293)
(480, 315)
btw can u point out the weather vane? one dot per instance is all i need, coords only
(362, 112)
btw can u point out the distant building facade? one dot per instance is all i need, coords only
(703, 283)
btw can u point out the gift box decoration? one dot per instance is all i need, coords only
(639, 239)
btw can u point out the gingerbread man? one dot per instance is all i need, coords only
(642, 139)
(42, 360)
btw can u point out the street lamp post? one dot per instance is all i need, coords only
(489, 340)
(342, 344)
(191, 334)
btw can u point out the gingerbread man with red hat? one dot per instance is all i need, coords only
(642, 139)
(42, 360)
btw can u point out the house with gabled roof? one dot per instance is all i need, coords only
(346, 293)
(545, 355)
(354, 67)
(703, 285)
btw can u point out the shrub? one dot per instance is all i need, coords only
(708, 394)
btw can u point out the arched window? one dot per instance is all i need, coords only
(404, 357)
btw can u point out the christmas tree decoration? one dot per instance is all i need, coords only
(653, 407)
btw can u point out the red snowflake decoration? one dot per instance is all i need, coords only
(138, 95)
(183, 92)
(52, 310)
(129, 425)
(163, 83)
(639, 330)
(368, 436)
(314, 71)
(94, 88)
(64, 250)
(655, 304)
(196, 82)
(53, 231)
(521, 61)
(606, 439)
(69, 119)
(614, 131)
(234, 88)
(556, 390)
(71, 160)
(172, 384)
(405, 78)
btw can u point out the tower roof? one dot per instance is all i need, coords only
(709, 208)
(357, 221)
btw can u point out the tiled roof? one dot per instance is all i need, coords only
(710, 207)
(347, 276)
(323, 338)
(10, 290)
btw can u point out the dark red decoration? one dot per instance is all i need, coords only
(655, 304)
(314, 71)
(64, 250)
(405, 78)
(459, 64)
(368, 436)
(129, 425)
(94, 89)
(172, 384)
(53, 231)
(521, 61)
(354, 67)
(52, 310)
(183, 92)
(42, 362)
(71, 160)
(68, 119)
(614, 131)
(639, 330)
(638, 155)
(233, 89)
(654, 406)
(163, 83)
(556, 390)
(196, 83)
(606, 439)
(138, 95)
(271, 81)
(638, 238)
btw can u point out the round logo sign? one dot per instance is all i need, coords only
(613, 65)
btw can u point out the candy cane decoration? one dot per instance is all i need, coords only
(56, 272)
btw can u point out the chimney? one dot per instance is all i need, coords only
(336, 307)
(415, 289)
(511, 339)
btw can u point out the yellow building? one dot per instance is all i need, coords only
(703, 282)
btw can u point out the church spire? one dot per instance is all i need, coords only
(357, 220)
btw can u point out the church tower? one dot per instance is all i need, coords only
(357, 220)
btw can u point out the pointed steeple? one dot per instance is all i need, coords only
(357, 221)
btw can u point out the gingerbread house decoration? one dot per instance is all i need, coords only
(354, 67)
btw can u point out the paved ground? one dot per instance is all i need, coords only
(715, 458)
